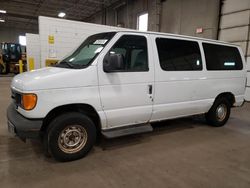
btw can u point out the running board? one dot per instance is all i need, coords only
(128, 130)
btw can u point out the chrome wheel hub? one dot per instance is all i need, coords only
(221, 112)
(72, 139)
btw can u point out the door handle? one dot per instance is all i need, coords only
(150, 89)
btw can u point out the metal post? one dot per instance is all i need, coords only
(20, 66)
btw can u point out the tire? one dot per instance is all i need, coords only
(219, 113)
(44, 139)
(70, 136)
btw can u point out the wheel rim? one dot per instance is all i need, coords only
(221, 112)
(72, 139)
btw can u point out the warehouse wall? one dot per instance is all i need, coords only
(185, 16)
(172, 16)
(12, 34)
(124, 13)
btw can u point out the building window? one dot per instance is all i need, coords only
(22, 40)
(142, 24)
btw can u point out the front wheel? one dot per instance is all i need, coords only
(219, 113)
(70, 136)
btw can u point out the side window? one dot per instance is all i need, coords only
(219, 57)
(179, 55)
(133, 49)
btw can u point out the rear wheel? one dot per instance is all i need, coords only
(219, 113)
(70, 136)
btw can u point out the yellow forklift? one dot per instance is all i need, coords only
(10, 54)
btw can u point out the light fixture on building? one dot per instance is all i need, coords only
(3, 11)
(1, 20)
(61, 14)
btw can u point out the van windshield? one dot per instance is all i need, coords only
(85, 54)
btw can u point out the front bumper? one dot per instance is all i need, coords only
(21, 126)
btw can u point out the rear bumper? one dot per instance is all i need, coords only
(21, 126)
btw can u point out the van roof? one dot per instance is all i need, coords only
(177, 35)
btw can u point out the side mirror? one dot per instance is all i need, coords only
(113, 63)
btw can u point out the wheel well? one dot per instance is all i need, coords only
(83, 108)
(229, 96)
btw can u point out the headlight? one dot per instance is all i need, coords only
(28, 101)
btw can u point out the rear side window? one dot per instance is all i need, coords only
(179, 55)
(220, 57)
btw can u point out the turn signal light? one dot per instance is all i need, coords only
(29, 101)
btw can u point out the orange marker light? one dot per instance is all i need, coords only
(29, 101)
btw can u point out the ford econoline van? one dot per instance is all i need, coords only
(117, 83)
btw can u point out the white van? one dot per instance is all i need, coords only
(117, 83)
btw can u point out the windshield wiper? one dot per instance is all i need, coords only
(70, 65)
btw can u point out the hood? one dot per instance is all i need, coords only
(55, 78)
